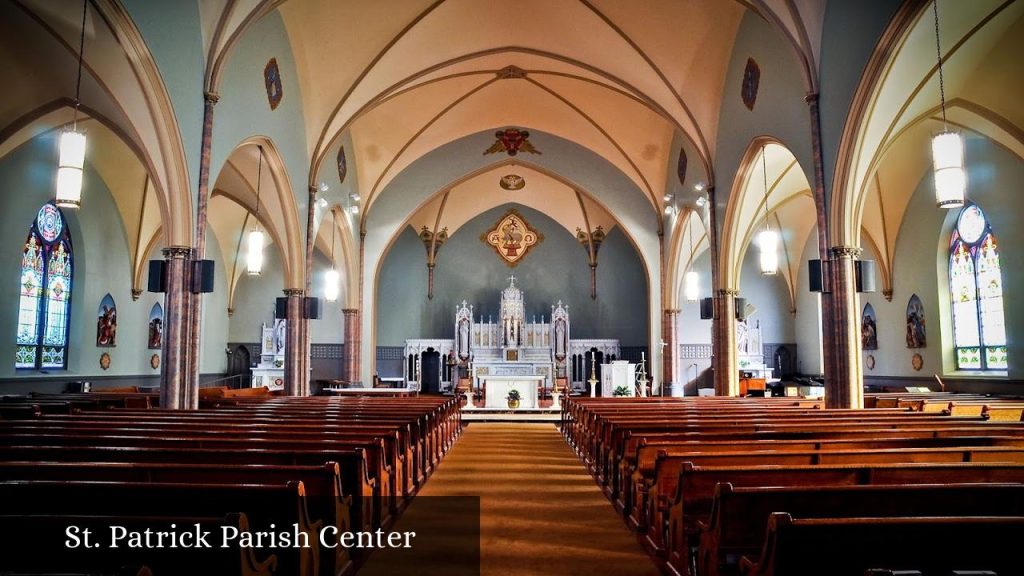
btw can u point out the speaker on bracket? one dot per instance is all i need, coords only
(281, 308)
(312, 307)
(157, 276)
(865, 275)
(817, 274)
(202, 276)
(741, 309)
(707, 308)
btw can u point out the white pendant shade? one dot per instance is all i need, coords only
(254, 257)
(691, 287)
(948, 162)
(332, 285)
(769, 242)
(69, 169)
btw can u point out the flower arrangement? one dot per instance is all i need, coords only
(513, 395)
(620, 391)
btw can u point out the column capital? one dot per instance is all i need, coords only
(350, 311)
(811, 98)
(293, 292)
(728, 292)
(671, 311)
(177, 252)
(211, 97)
(846, 252)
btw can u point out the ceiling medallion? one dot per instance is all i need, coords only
(511, 237)
(511, 140)
(512, 182)
(751, 81)
(272, 82)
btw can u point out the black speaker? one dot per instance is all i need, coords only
(202, 276)
(157, 276)
(707, 308)
(281, 308)
(741, 309)
(312, 307)
(865, 275)
(817, 270)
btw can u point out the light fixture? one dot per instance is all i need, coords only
(671, 209)
(331, 278)
(947, 147)
(698, 187)
(354, 209)
(354, 197)
(254, 258)
(667, 198)
(702, 201)
(692, 279)
(769, 239)
(71, 160)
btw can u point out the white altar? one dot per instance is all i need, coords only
(270, 370)
(498, 387)
(619, 373)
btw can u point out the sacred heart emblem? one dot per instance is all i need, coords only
(512, 141)
(512, 238)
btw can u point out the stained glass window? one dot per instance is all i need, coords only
(976, 291)
(44, 306)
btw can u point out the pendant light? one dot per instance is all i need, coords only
(254, 257)
(71, 160)
(331, 278)
(947, 147)
(769, 239)
(692, 279)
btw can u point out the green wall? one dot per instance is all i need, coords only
(467, 269)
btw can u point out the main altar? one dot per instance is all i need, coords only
(512, 352)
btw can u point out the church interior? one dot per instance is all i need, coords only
(701, 287)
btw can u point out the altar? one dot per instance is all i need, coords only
(497, 388)
(269, 371)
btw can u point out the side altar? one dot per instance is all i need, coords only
(511, 352)
(269, 371)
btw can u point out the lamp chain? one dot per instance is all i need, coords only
(938, 55)
(259, 177)
(81, 52)
(764, 173)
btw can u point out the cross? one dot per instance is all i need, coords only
(512, 279)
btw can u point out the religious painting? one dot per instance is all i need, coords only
(106, 323)
(342, 165)
(869, 329)
(915, 324)
(272, 81)
(681, 167)
(512, 238)
(156, 327)
(751, 81)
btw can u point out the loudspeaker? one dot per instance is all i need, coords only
(741, 309)
(281, 308)
(202, 276)
(707, 308)
(865, 275)
(157, 276)
(312, 307)
(817, 273)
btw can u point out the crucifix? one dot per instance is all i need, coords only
(512, 279)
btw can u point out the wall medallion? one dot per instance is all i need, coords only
(512, 182)
(105, 360)
(751, 81)
(511, 141)
(681, 167)
(870, 361)
(512, 238)
(272, 81)
(154, 361)
(342, 165)
(917, 362)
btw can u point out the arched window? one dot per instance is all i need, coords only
(976, 289)
(47, 264)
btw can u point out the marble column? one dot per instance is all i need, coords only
(306, 338)
(668, 351)
(293, 344)
(845, 389)
(352, 345)
(174, 366)
(723, 332)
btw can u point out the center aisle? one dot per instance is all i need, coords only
(541, 512)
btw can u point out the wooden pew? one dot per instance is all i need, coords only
(805, 547)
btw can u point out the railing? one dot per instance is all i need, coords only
(218, 381)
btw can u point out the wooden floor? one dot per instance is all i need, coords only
(541, 513)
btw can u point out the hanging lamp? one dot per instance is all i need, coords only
(691, 280)
(947, 146)
(254, 257)
(331, 278)
(71, 162)
(769, 239)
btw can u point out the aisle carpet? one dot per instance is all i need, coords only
(541, 513)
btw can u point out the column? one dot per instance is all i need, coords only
(723, 333)
(350, 373)
(174, 365)
(668, 351)
(293, 344)
(845, 388)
